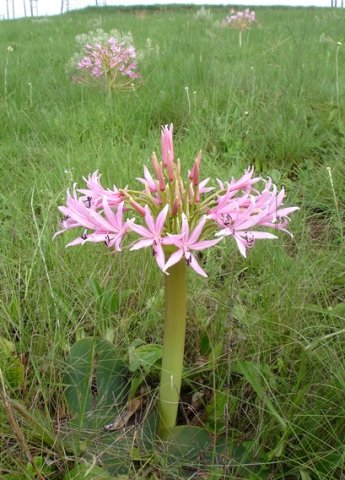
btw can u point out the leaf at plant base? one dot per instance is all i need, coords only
(147, 431)
(135, 384)
(143, 356)
(88, 472)
(94, 378)
(186, 443)
(116, 452)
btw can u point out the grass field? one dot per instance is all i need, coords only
(266, 337)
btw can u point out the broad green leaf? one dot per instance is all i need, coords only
(144, 356)
(94, 378)
(186, 443)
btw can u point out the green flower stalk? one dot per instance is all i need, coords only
(173, 346)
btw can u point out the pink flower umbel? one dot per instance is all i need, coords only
(238, 209)
(176, 216)
(240, 20)
(105, 60)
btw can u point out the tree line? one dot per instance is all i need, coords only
(31, 7)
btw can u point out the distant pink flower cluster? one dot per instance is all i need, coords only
(111, 60)
(240, 20)
(174, 217)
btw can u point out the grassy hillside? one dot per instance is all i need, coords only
(265, 340)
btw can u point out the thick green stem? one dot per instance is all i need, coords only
(173, 346)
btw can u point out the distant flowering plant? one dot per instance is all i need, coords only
(240, 20)
(104, 59)
(176, 218)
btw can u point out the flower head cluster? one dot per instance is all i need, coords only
(108, 59)
(240, 20)
(176, 217)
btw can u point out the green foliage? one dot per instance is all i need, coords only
(39, 465)
(90, 472)
(10, 365)
(186, 444)
(256, 377)
(142, 360)
(94, 379)
(109, 301)
(265, 339)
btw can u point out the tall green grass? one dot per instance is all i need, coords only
(266, 335)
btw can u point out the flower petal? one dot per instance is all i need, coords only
(193, 263)
(174, 258)
(160, 257)
(142, 244)
(197, 231)
(161, 219)
(204, 244)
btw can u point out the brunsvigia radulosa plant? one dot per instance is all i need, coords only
(240, 20)
(107, 60)
(176, 217)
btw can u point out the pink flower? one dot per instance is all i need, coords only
(152, 235)
(77, 213)
(194, 173)
(109, 228)
(167, 144)
(238, 225)
(81, 213)
(168, 150)
(186, 242)
(203, 188)
(245, 182)
(148, 181)
(95, 192)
